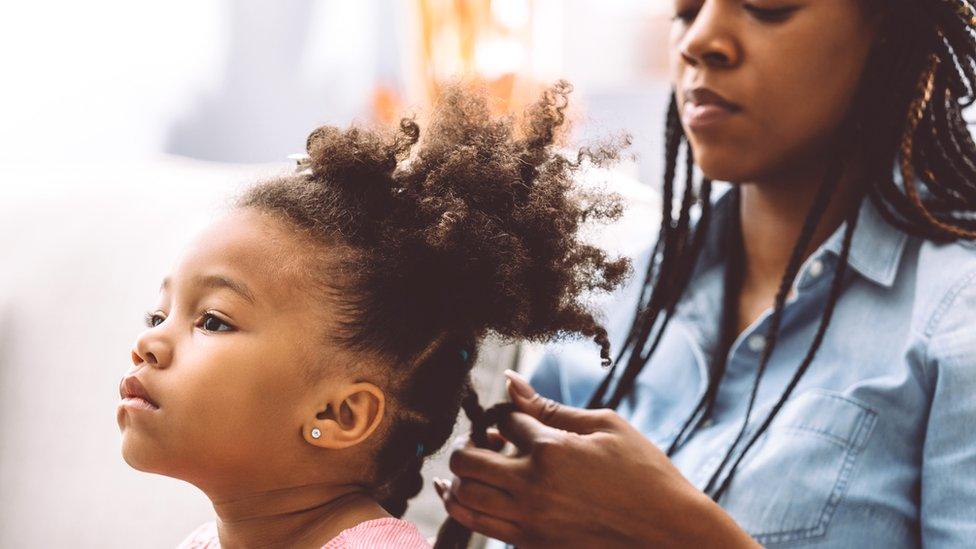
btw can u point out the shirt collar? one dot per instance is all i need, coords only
(876, 247)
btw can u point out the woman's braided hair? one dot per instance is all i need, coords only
(907, 112)
(471, 230)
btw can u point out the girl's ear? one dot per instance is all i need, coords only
(350, 417)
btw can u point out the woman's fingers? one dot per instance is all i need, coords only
(552, 413)
(523, 430)
(495, 439)
(476, 521)
(480, 497)
(487, 466)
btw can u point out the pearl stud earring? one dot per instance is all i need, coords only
(316, 433)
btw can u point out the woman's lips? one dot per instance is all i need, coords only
(696, 117)
(704, 107)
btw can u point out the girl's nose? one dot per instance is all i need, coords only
(150, 349)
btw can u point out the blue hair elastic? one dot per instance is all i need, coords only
(420, 449)
(464, 355)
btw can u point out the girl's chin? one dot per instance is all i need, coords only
(134, 455)
(143, 454)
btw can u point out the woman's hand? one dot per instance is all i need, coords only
(581, 478)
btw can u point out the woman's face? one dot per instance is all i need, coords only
(762, 85)
(229, 340)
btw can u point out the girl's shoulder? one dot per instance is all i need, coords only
(384, 533)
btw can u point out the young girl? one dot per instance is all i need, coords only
(313, 346)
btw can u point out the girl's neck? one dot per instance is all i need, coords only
(299, 516)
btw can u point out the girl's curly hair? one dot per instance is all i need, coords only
(469, 230)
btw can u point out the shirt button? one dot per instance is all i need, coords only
(816, 268)
(757, 343)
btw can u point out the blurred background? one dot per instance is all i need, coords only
(124, 126)
(243, 81)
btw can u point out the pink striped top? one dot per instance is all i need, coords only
(384, 533)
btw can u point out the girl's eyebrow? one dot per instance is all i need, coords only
(218, 281)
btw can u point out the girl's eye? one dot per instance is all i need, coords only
(153, 320)
(212, 323)
(771, 15)
(686, 16)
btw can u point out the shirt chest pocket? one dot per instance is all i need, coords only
(788, 486)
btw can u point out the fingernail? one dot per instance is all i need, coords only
(522, 386)
(442, 487)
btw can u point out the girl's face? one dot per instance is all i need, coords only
(224, 356)
(762, 85)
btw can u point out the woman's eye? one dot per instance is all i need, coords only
(212, 323)
(153, 320)
(771, 15)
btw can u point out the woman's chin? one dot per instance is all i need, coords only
(727, 161)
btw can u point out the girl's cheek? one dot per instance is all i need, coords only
(234, 391)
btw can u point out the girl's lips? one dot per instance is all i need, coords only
(136, 403)
(132, 389)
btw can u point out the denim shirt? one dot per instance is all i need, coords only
(876, 447)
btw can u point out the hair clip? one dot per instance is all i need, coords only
(420, 449)
(464, 355)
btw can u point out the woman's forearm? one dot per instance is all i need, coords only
(708, 525)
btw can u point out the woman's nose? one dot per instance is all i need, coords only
(710, 40)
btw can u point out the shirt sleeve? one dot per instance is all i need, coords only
(948, 477)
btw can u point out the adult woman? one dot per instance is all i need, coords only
(802, 360)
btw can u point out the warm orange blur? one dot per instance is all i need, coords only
(484, 42)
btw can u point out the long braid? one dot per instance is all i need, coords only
(661, 275)
(944, 143)
(950, 185)
(681, 272)
(837, 285)
(656, 275)
(730, 295)
(961, 164)
(829, 183)
(907, 147)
